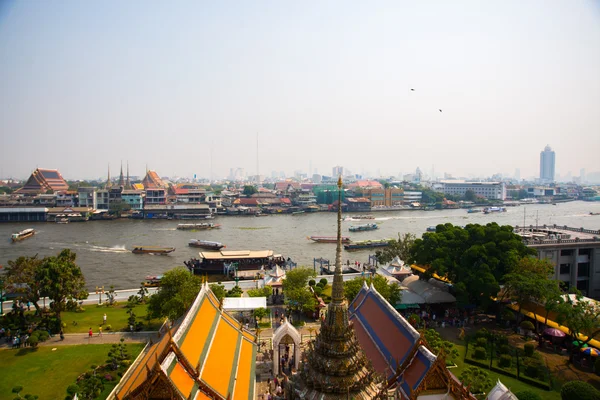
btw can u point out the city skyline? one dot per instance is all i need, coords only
(190, 88)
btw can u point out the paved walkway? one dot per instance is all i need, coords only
(83, 338)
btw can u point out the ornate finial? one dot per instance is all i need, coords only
(337, 295)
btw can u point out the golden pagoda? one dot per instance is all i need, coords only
(334, 365)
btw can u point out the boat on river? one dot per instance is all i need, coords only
(198, 227)
(225, 261)
(474, 210)
(367, 244)
(363, 228)
(363, 217)
(206, 244)
(431, 228)
(328, 239)
(152, 281)
(24, 234)
(152, 250)
(489, 210)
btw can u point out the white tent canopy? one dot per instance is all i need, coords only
(429, 292)
(244, 303)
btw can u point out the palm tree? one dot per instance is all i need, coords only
(311, 330)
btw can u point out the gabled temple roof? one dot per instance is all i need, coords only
(42, 180)
(500, 392)
(153, 181)
(210, 355)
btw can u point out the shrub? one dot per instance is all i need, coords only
(528, 395)
(482, 333)
(481, 342)
(43, 335)
(508, 315)
(108, 377)
(532, 367)
(34, 340)
(505, 361)
(501, 340)
(108, 327)
(504, 349)
(318, 290)
(597, 366)
(311, 282)
(479, 353)
(579, 390)
(528, 349)
(527, 325)
(323, 281)
(320, 285)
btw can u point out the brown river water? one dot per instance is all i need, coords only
(104, 247)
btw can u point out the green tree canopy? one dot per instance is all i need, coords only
(398, 248)
(389, 290)
(580, 316)
(474, 258)
(249, 190)
(295, 288)
(60, 279)
(265, 291)
(478, 379)
(579, 390)
(21, 278)
(178, 290)
(218, 290)
(470, 195)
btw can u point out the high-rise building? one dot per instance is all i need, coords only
(337, 171)
(547, 165)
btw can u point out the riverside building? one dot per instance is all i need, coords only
(489, 190)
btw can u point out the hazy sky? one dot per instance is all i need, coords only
(87, 83)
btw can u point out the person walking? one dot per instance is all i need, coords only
(100, 331)
(90, 333)
(104, 319)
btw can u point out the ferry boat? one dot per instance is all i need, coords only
(220, 262)
(363, 228)
(489, 210)
(197, 227)
(328, 239)
(367, 244)
(152, 281)
(152, 250)
(363, 217)
(431, 229)
(206, 244)
(24, 234)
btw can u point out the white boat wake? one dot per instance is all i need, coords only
(114, 249)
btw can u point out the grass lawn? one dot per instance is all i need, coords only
(48, 373)
(116, 317)
(513, 384)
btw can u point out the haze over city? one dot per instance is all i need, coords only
(176, 85)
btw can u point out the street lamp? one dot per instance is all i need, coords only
(99, 291)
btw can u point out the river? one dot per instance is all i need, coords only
(104, 247)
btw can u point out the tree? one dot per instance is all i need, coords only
(61, 279)
(529, 281)
(21, 278)
(474, 258)
(295, 288)
(389, 290)
(249, 190)
(218, 290)
(260, 313)
(436, 344)
(235, 291)
(142, 293)
(397, 248)
(470, 195)
(580, 316)
(265, 291)
(579, 390)
(117, 354)
(476, 379)
(178, 290)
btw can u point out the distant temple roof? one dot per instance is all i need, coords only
(42, 180)
(366, 184)
(500, 392)
(153, 181)
(210, 355)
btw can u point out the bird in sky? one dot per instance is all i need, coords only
(412, 90)
(440, 110)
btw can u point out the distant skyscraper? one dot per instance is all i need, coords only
(547, 165)
(337, 171)
(517, 174)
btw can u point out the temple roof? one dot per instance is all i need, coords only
(42, 180)
(153, 181)
(500, 392)
(209, 355)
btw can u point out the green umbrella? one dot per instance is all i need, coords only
(578, 343)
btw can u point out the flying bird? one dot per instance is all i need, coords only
(412, 90)
(440, 110)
